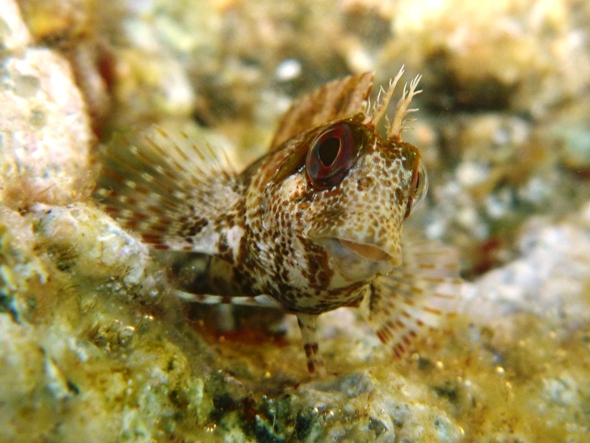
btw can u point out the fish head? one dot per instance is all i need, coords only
(332, 199)
(347, 190)
(361, 187)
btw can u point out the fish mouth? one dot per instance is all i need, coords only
(369, 252)
(356, 261)
(353, 251)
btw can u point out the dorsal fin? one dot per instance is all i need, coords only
(167, 188)
(339, 99)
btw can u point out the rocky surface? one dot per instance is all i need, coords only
(94, 347)
(46, 135)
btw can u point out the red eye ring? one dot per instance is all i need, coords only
(331, 155)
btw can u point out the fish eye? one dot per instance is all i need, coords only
(331, 155)
(418, 190)
(421, 186)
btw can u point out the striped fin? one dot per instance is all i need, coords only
(263, 301)
(167, 188)
(309, 335)
(418, 295)
(336, 100)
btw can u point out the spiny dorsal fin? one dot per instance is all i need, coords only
(167, 188)
(418, 295)
(339, 99)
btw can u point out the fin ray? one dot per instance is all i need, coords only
(167, 188)
(264, 301)
(338, 99)
(418, 295)
(309, 335)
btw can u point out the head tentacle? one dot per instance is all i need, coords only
(377, 111)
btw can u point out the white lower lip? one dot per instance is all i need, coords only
(368, 252)
(356, 261)
(351, 251)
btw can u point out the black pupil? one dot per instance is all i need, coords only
(328, 151)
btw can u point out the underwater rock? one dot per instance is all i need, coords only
(45, 137)
(548, 280)
(502, 55)
(81, 347)
(14, 35)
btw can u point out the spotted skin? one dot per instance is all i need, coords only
(314, 225)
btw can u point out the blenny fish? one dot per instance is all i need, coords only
(313, 225)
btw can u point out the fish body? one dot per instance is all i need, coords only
(314, 225)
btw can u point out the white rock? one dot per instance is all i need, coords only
(14, 35)
(45, 133)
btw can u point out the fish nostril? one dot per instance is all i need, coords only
(364, 183)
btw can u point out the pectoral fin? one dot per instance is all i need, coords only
(418, 295)
(167, 188)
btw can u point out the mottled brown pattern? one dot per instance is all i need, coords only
(274, 231)
(333, 101)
